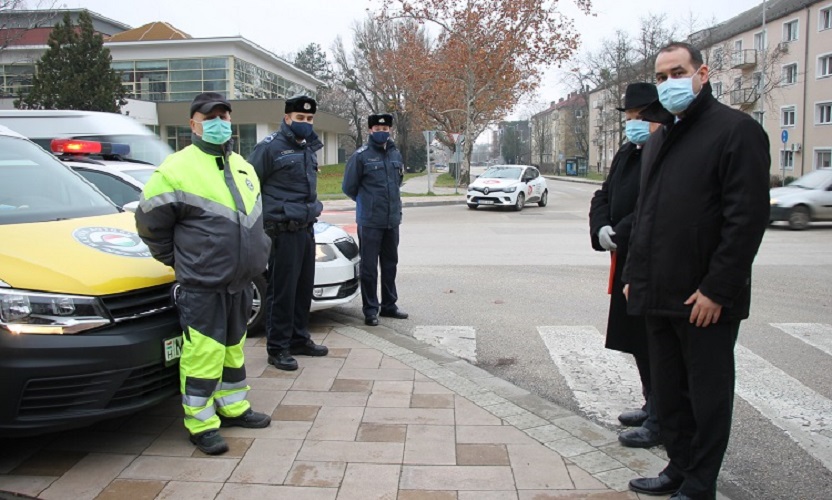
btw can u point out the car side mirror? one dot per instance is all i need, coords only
(131, 206)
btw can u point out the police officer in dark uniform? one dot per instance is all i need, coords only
(287, 167)
(372, 178)
(610, 223)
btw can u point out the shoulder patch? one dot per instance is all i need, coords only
(361, 149)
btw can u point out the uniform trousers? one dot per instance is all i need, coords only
(693, 378)
(289, 293)
(378, 247)
(212, 367)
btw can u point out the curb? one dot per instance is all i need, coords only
(576, 180)
(346, 206)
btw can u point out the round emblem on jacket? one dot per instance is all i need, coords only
(250, 185)
(112, 240)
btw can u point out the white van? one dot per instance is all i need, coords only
(41, 126)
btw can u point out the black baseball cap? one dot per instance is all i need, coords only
(207, 101)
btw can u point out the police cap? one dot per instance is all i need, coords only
(301, 104)
(380, 119)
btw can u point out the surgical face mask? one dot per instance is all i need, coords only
(380, 137)
(676, 94)
(216, 131)
(637, 131)
(302, 130)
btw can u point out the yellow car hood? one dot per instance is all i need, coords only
(86, 256)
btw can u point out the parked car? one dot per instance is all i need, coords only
(508, 186)
(336, 257)
(805, 200)
(88, 329)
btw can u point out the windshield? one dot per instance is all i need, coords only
(141, 174)
(35, 187)
(146, 148)
(502, 173)
(813, 180)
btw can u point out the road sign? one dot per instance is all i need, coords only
(455, 137)
(784, 136)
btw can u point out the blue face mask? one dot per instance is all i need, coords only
(216, 131)
(380, 137)
(676, 94)
(302, 130)
(637, 131)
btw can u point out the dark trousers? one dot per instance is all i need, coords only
(693, 377)
(289, 294)
(643, 365)
(378, 248)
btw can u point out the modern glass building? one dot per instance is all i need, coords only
(164, 66)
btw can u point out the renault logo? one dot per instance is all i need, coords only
(486, 191)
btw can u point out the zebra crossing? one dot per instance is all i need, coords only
(604, 383)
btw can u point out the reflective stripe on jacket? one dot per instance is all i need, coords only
(189, 219)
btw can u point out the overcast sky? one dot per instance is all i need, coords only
(284, 26)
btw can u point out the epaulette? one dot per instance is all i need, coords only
(361, 149)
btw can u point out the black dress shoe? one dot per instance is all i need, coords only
(309, 349)
(283, 361)
(210, 442)
(661, 485)
(633, 418)
(371, 321)
(393, 313)
(250, 420)
(639, 437)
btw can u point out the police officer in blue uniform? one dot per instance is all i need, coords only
(372, 178)
(287, 167)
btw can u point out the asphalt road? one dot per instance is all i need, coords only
(507, 274)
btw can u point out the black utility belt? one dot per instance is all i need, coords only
(290, 226)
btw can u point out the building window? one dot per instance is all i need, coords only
(825, 65)
(760, 41)
(787, 116)
(787, 160)
(718, 56)
(790, 31)
(823, 113)
(757, 82)
(825, 19)
(173, 79)
(790, 74)
(16, 79)
(758, 116)
(717, 88)
(823, 158)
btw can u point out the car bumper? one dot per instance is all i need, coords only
(779, 213)
(57, 382)
(493, 199)
(336, 283)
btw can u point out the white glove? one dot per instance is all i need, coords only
(605, 235)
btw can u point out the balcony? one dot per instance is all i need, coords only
(744, 98)
(744, 59)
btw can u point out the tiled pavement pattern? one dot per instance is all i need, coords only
(382, 417)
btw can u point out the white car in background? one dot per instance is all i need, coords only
(336, 256)
(508, 186)
(805, 200)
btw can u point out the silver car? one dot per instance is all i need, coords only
(806, 200)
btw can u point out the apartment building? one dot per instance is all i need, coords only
(773, 61)
(559, 141)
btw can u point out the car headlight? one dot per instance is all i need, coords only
(775, 202)
(510, 189)
(324, 253)
(23, 312)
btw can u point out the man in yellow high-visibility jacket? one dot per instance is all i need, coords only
(201, 213)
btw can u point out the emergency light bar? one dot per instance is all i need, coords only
(78, 147)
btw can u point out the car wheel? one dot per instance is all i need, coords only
(544, 199)
(799, 218)
(520, 203)
(472, 206)
(258, 302)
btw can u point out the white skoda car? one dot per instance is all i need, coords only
(508, 186)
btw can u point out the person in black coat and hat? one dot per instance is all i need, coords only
(610, 223)
(702, 211)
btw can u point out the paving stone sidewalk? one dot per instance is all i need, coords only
(382, 417)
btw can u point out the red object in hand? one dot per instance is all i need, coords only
(612, 272)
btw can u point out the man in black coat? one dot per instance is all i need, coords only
(610, 223)
(287, 166)
(373, 178)
(702, 211)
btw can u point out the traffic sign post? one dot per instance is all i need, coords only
(459, 139)
(784, 136)
(429, 134)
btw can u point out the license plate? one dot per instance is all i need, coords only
(173, 350)
(486, 202)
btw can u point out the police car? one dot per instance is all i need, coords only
(107, 166)
(508, 186)
(88, 330)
